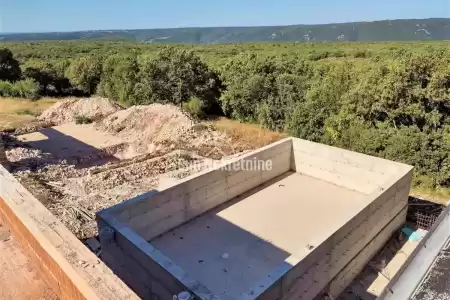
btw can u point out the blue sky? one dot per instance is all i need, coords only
(71, 15)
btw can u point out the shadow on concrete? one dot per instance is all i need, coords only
(64, 147)
(379, 271)
(421, 216)
(226, 258)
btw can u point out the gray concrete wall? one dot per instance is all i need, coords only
(352, 170)
(349, 273)
(312, 274)
(197, 194)
(386, 186)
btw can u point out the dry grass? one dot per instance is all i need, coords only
(15, 112)
(246, 136)
(436, 195)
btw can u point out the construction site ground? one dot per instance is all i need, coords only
(75, 170)
(19, 279)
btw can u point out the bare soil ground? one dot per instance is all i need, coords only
(77, 170)
(19, 280)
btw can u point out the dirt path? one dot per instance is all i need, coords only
(19, 280)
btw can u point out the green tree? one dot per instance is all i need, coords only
(175, 76)
(118, 78)
(9, 66)
(85, 73)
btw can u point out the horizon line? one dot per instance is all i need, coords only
(225, 26)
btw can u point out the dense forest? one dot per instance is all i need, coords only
(391, 100)
(386, 30)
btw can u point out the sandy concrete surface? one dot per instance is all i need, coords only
(234, 247)
(70, 140)
(19, 280)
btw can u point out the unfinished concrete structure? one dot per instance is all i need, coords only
(67, 266)
(297, 231)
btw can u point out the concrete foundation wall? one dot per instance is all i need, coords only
(197, 194)
(384, 187)
(353, 170)
(349, 273)
(312, 274)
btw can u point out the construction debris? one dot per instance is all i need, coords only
(134, 151)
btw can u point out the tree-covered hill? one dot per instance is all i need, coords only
(387, 30)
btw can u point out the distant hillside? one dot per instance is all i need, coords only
(388, 30)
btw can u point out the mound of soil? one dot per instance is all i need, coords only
(94, 108)
(145, 126)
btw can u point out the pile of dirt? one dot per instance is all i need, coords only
(156, 127)
(94, 108)
(157, 144)
(147, 123)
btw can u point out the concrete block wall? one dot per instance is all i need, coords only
(169, 208)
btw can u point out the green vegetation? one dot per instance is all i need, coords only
(387, 30)
(23, 88)
(82, 120)
(390, 100)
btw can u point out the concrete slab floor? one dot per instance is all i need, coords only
(19, 280)
(233, 247)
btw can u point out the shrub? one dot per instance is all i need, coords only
(82, 120)
(118, 78)
(6, 88)
(26, 89)
(195, 106)
(9, 66)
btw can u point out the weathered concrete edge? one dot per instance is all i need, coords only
(191, 284)
(54, 249)
(416, 267)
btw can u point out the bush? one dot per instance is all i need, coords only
(195, 107)
(25, 88)
(82, 120)
(6, 88)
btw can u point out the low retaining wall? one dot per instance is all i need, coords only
(66, 264)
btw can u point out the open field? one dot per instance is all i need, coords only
(15, 112)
